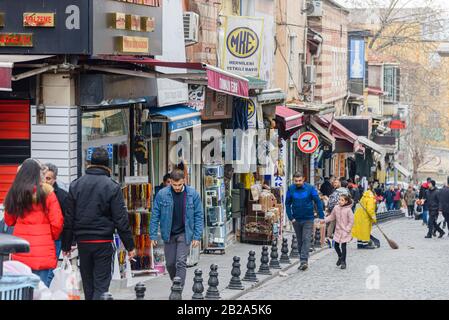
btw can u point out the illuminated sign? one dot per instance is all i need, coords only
(16, 39)
(2, 19)
(117, 20)
(127, 44)
(35, 19)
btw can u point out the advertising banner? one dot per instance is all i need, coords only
(243, 45)
(357, 59)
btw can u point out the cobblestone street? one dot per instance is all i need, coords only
(415, 271)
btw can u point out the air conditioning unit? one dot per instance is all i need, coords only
(310, 74)
(191, 27)
(314, 8)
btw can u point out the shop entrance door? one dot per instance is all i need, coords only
(15, 140)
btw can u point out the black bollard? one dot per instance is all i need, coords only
(140, 291)
(317, 238)
(198, 287)
(106, 296)
(250, 274)
(235, 283)
(274, 262)
(294, 253)
(176, 289)
(284, 250)
(264, 267)
(212, 292)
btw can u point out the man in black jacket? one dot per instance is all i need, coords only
(444, 202)
(326, 188)
(433, 202)
(96, 209)
(51, 175)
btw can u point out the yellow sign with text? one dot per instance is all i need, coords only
(127, 44)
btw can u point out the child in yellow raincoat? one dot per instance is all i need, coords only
(364, 217)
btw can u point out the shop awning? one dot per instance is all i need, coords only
(338, 131)
(324, 134)
(289, 118)
(217, 79)
(402, 170)
(178, 117)
(372, 145)
(7, 62)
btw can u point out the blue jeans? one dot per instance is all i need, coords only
(390, 206)
(43, 274)
(58, 252)
(425, 216)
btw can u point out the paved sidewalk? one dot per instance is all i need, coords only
(158, 288)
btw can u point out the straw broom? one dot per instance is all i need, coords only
(393, 245)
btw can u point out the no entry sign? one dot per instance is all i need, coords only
(308, 142)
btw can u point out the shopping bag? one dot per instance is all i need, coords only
(65, 284)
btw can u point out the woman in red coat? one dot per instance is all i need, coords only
(32, 208)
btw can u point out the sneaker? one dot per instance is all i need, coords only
(343, 265)
(429, 236)
(442, 234)
(339, 262)
(303, 266)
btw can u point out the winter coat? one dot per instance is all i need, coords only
(163, 214)
(410, 197)
(299, 203)
(40, 228)
(433, 200)
(344, 222)
(335, 197)
(397, 195)
(444, 199)
(389, 196)
(355, 194)
(96, 209)
(363, 220)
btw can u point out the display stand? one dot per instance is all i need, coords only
(137, 193)
(215, 209)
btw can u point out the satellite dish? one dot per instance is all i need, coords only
(310, 8)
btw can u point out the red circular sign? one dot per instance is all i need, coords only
(308, 142)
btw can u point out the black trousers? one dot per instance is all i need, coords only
(411, 210)
(341, 253)
(433, 217)
(96, 267)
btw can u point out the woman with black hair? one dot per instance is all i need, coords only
(32, 208)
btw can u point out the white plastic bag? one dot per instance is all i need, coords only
(65, 284)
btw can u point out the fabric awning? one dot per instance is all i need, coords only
(372, 145)
(7, 62)
(289, 118)
(339, 131)
(324, 134)
(217, 79)
(402, 170)
(178, 117)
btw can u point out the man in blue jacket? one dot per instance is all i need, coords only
(179, 212)
(299, 205)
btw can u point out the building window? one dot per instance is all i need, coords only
(391, 83)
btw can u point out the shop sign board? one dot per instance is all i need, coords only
(197, 96)
(223, 83)
(84, 27)
(243, 45)
(16, 39)
(184, 123)
(308, 142)
(47, 27)
(36, 19)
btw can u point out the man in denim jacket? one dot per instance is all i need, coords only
(179, 212)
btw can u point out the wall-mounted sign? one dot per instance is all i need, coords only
(308, 142)
(36, 19)
(147, 24)
(197, 96)
(117, 20)
(127, 44)
(242, 47)
(16, 39)
(151, 3)
(2, 19)
(132, 22)
(357, 59)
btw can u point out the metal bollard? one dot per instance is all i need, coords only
(140, 291)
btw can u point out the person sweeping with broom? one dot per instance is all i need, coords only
(364, 217)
